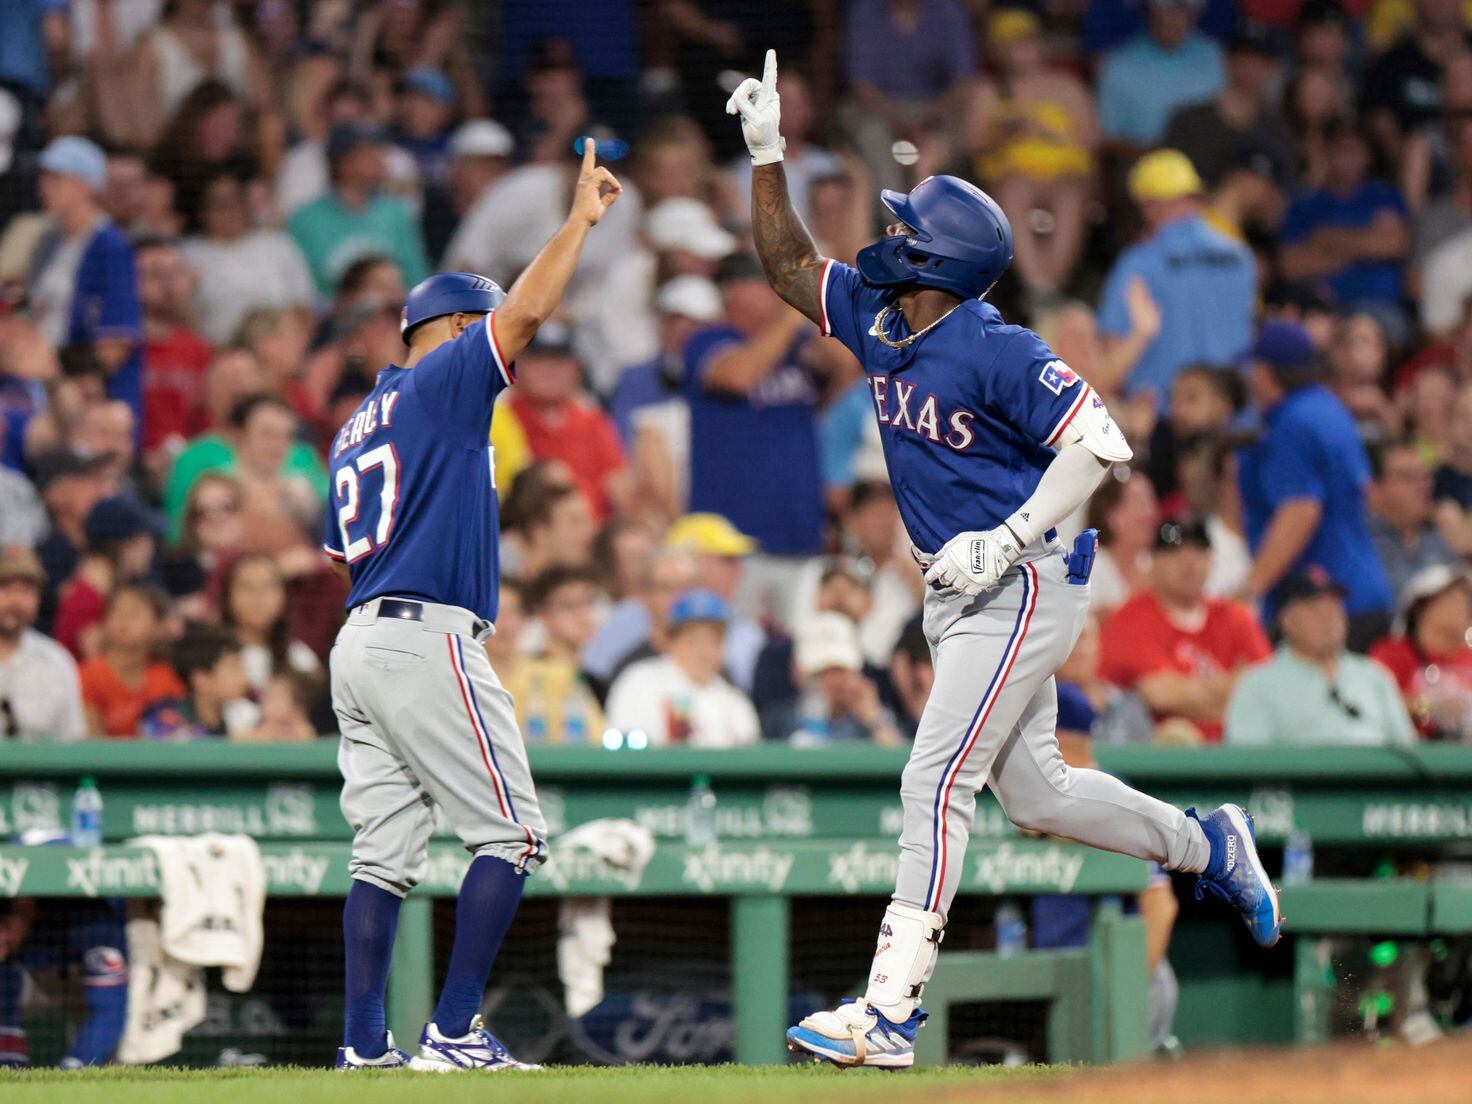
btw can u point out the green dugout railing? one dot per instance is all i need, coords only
(791, 823)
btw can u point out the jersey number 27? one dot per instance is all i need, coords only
(374, 533)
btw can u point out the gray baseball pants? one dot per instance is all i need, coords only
(426, 723)
(991, 720)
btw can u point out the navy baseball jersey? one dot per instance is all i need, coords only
(968, 415)
(413, 499)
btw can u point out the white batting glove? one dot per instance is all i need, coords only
(974, 562)
(760, 108)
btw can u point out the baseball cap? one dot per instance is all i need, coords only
(19, 562)
(71, 155)
(430, 82)
(481, 138)
(1164, 174)
(696, 606)
(1286, 346)
(552, 338)
(348, 136)
(710, 534)
(1428, 583)
(1179, 532)
(118, 519)
(1012, 24)
(1312, 582)
(689, 226)
(740, 266)
(691, 297)
(64, 463)
(826, 640)
(1251, 37)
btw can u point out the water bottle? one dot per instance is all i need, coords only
(700, 813)
(1011, 930)
(1298, 858)
(87, 814)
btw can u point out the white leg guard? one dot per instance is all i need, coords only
(909, 941)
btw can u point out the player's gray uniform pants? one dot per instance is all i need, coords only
(991, 719)
(425, 722)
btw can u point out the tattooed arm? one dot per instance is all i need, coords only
(793, 265)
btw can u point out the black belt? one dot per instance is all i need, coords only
(404, 610)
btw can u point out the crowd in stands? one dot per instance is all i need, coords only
(1248, 226)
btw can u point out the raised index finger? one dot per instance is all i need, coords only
(769, 72)
(590, 154)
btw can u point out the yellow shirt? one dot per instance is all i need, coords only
(553, 703)
(510, 453)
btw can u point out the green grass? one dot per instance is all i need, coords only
(599, 1085)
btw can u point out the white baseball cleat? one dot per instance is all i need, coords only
(854, 1034)
(392, 1058)
(476, 1049)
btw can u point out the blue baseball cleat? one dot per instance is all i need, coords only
(392, 1058)
(1236, 873)
(476, 1049)
(856, 1035)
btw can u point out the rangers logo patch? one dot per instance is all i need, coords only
(1056, 375)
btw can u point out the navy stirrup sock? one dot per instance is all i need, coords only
(483, 913)
(370, 920)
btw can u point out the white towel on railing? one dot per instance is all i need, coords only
(214, 895)
(166, 998)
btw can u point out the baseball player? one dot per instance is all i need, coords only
(991, 441)
(412, 528)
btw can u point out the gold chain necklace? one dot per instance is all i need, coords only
(878, 329)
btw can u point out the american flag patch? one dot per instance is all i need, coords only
(1056, 375)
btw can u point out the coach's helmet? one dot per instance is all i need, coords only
(448, 293)
(959, 239)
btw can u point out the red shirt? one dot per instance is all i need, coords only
(1140, 640)
(1437, 688)
(581, 436)
(120, 706)
(172, 373)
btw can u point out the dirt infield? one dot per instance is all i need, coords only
(1363, 1073)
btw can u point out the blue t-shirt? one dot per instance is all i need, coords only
(841, 434)
(23, 44)
(1141, 85)
(754, 458)
(413, 506)
(1311, 449)
(1317, 208)
(968, 414)
(1206, 286)
(105, 305)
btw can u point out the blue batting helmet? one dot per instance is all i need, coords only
(448, 293)
(960, 241)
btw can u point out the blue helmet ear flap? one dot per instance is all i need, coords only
(883, 263)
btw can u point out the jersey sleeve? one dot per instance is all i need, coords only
(1033, 390)
(847, 305)
(331, 534)
(461, 379)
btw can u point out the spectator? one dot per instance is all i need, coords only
(1303, 484)
(752, 394)
(911, 675)
(556, 529)
(1031, 134)
(33, 52)
(1447, 215)
(1208, 473)
(1126, 513)
(684, 304)
(1204, 283)
(1181, 651)
(175, 356)
(680, 697)
(213, 536)
(909, 65)
(480, 154)
(874, 533)
(1313, 692)
(126, 678)
(258, 445)
(504, 645)
(721, 553)
(253, 607)
(1203, 400)
(1430, 653)
(1169, 65)
(22, 514)
(424, 113)
(554, 702)
(1400, 514)
(1350, 234)
(70, 485)
(560, 425)
(122, 542)
(1401, 87)
(355, 216)
(239, 268)
(838, 703)
(285, 704)
(1358, 367)
(639, 623)
(84, 288)
(208, 662)
(1452, 488)
(1218, 134)
(40, 696)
